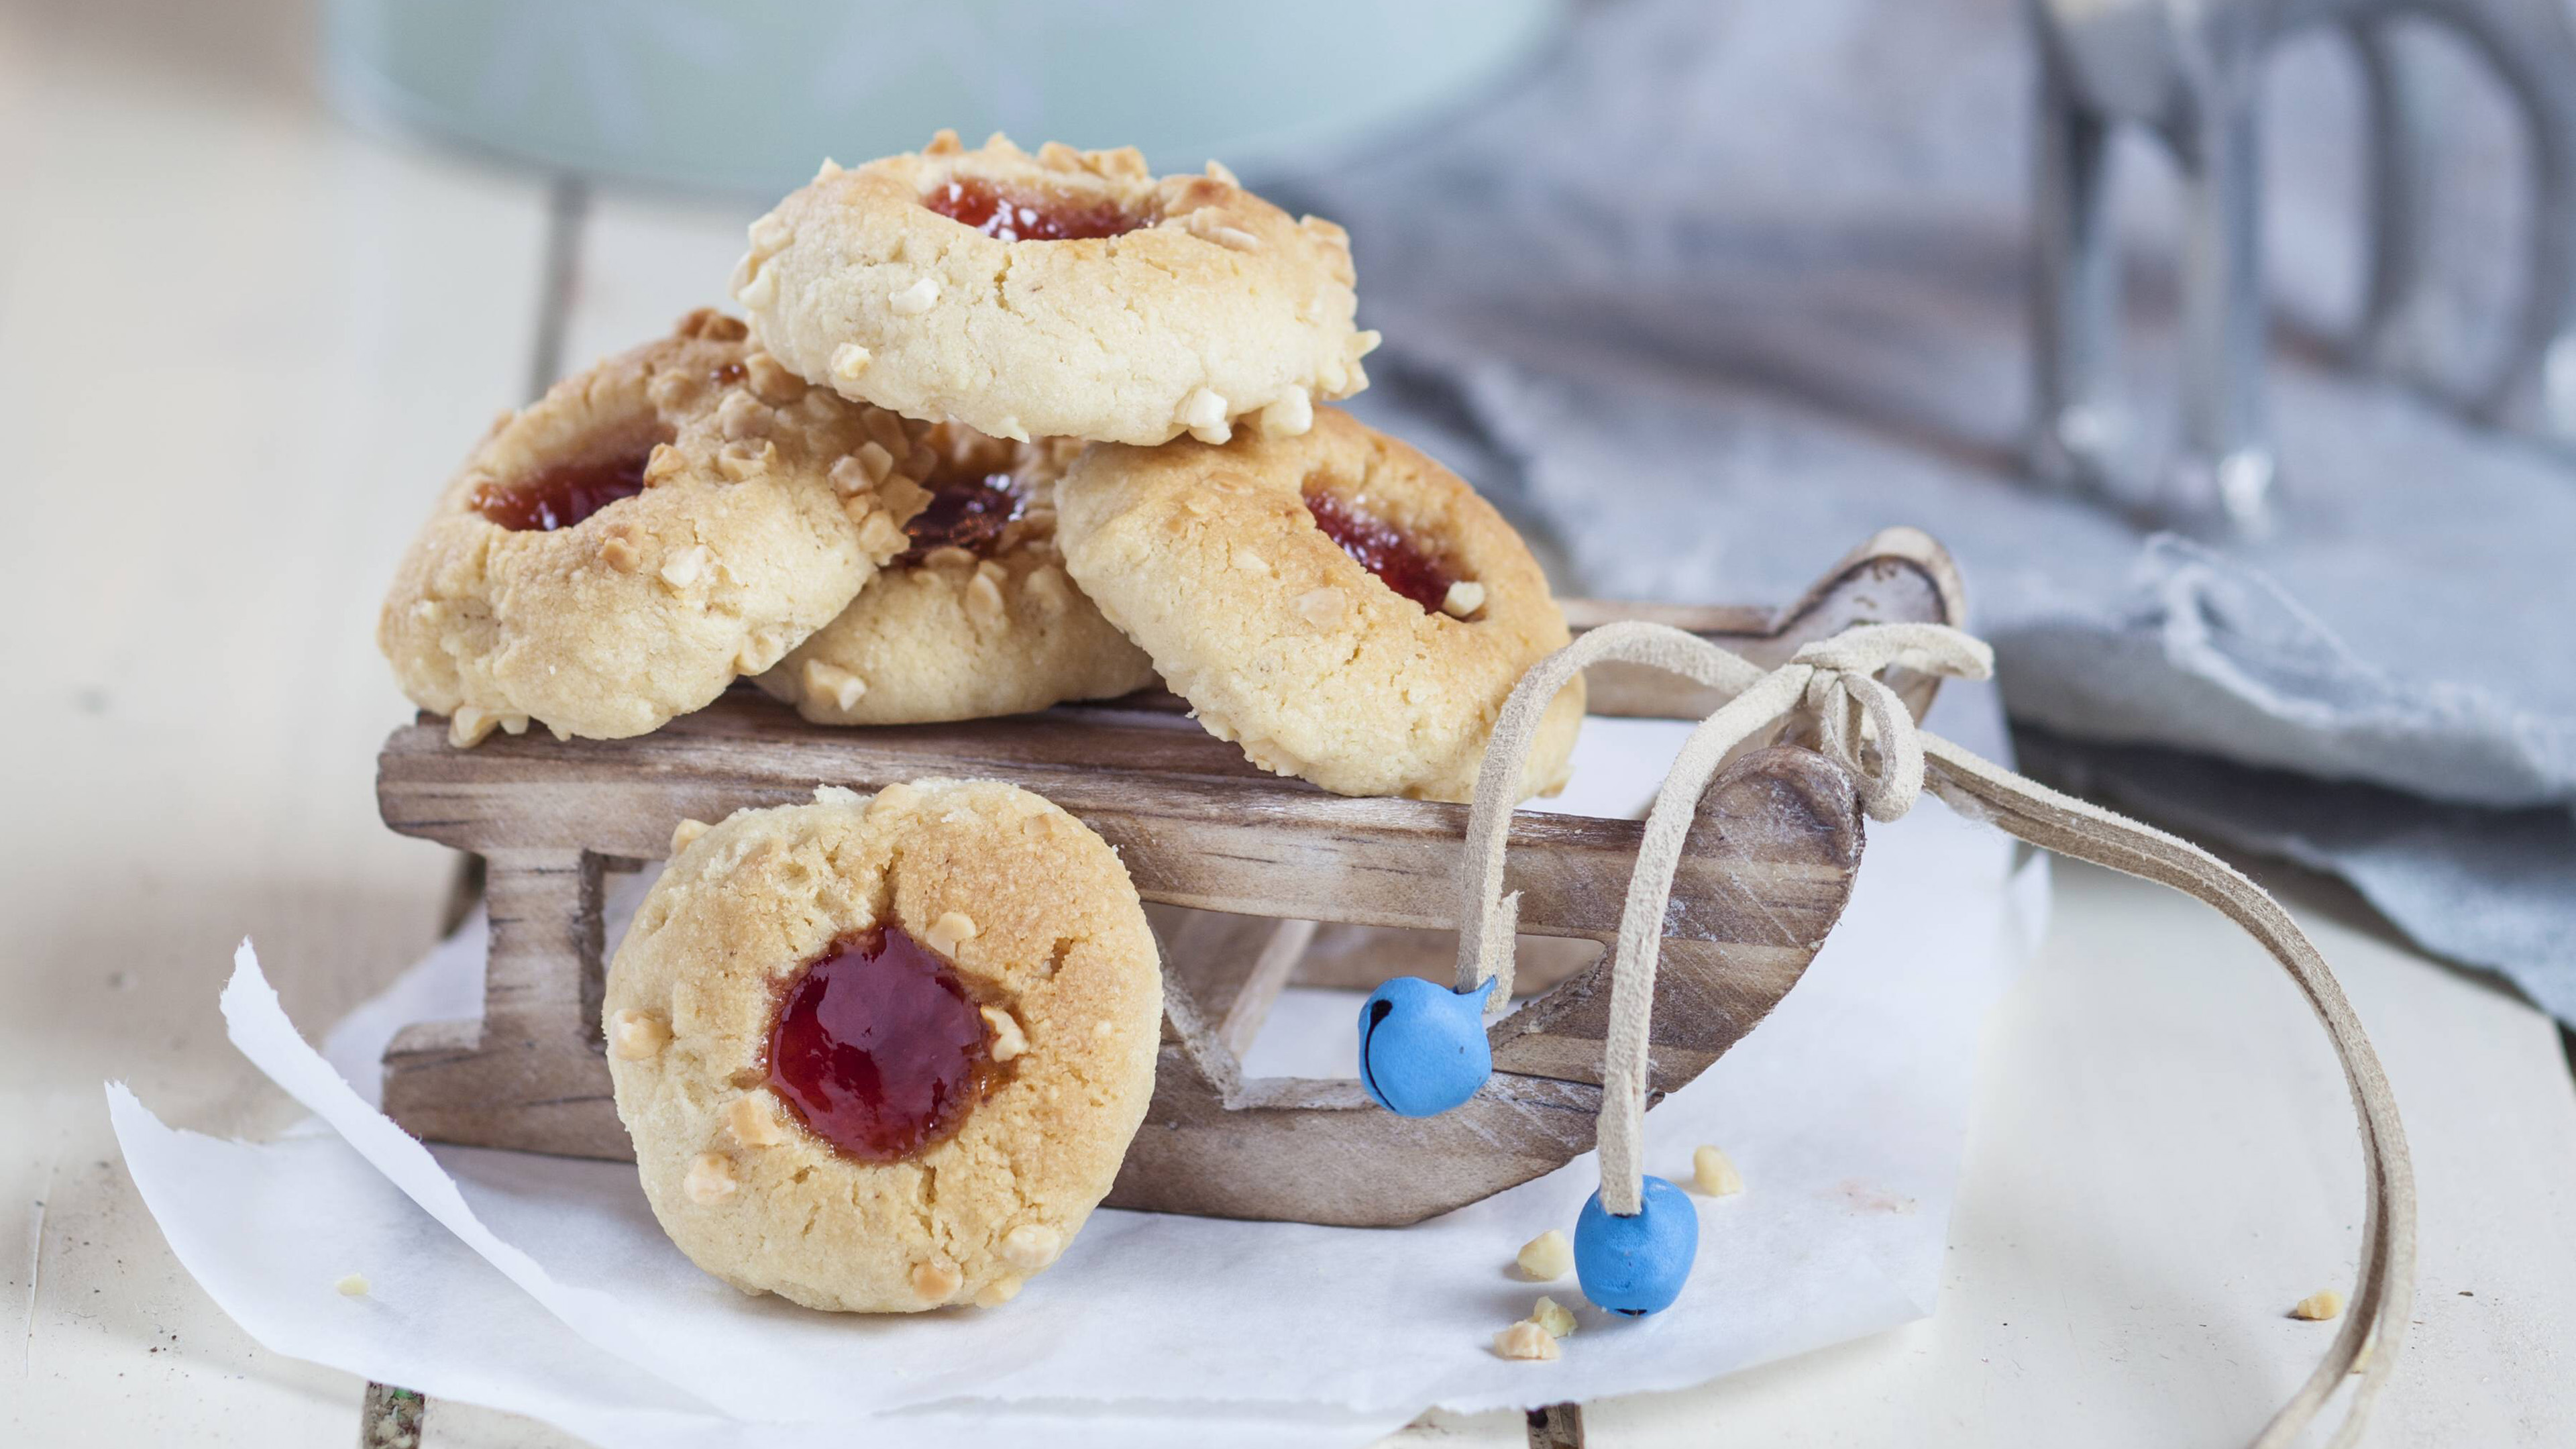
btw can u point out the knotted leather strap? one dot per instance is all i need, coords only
(1862, 725)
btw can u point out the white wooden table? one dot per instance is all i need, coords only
(241, 343)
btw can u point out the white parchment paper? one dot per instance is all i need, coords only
(543, 1284)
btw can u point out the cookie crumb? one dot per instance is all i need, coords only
(637, 1035)
(916, 299)
(352, 1285)
(849, 360)
(2319, 1306)
(1547, 1257)
(1553, 1316)
(1713, 1174)
(621, 554)
(1525, 1340)
(1009, 1042)
(1464, 598)
(710, 1180)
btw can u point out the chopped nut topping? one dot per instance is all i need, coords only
(1047, 586)
(752, 1121)
(1547, 1257)
(849, 477)
(1250, 562)
(829, 681)
(1290, 416)
(1031, 1246)
(1553, 1316)
(1209, 224)
(760, 289)
(351, 1285)
(849, 360)
(1008, 1040)
(1463, 599)
(686, 833)
(742, 416)
(710, 1180)
(621, 555)
(2319, 1306)
(669, 390)
(984, 594)
(998, 1292)
(1322, 607)
(903, 497)
(636, 1035)
(740, 462)
(943, 142)
(895, 797)
(887, 430)
(771, 382)
(948, 932)
(771, 232)
(1525, 1340)
(1713, 1174)
(1203, 413)
(873, 460)
(948, 556)
(882, 537)
(688, 566)
(916, 299)
(936, 1281)
(1218, 171)
(759, 652)
(829, 169)
(469, 726)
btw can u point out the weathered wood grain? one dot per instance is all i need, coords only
(1238, 866)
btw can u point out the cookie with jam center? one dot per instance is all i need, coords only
(1065, 294)
(976, 617)
(884, 1054)
(616, 553)
(1338, 604)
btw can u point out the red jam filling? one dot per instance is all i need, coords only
(878, 1047)
(968, 512)
(1381, 550)
(1008, 217)
(563, 495)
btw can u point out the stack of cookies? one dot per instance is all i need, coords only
(1000, 430)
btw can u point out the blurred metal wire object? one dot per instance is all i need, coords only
(2190, 72)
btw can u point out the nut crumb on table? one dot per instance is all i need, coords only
(2319, 1306)
(352, 1285)
(1547, 1257)
(1553, 1316)
(1713, 1174)
(1526, 1339)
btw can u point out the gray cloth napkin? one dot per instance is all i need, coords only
(1710, 293)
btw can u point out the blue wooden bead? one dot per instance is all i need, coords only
(1637, 1265)
(1422, 1046)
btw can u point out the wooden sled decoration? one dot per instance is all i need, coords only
(1769, 868)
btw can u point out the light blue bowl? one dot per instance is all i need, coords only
(751, 96)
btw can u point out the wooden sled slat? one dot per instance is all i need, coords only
(1768, 870)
